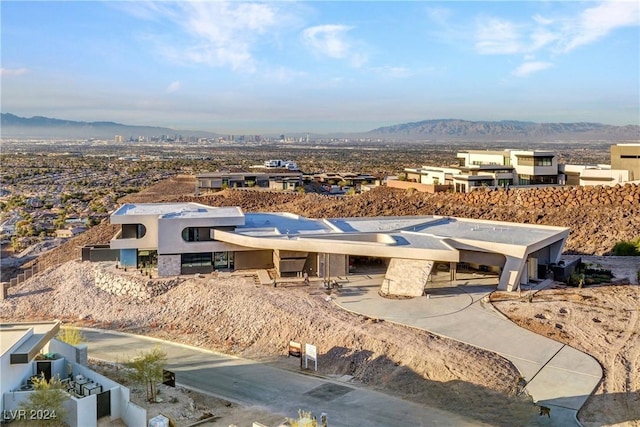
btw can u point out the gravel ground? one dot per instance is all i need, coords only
(234, 315)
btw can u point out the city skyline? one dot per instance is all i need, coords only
(321, 66)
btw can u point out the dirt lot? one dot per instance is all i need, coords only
(603, 321)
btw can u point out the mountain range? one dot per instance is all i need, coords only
(463, 130)
(13, 126)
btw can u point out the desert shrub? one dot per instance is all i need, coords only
(72, 336)
(626, 248)
(48, 399)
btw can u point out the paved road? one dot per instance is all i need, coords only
(249, 383)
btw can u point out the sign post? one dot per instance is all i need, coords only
(310, 353)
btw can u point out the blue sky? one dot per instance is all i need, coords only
(275, 67)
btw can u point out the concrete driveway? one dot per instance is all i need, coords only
(558, 376)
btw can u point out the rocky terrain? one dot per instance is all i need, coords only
(219, 312)
(598, 217)
(413, 364)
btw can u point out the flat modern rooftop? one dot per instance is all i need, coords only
(490, 231)
(178, 210)
(418, 231)
(380, 224)
(276, 224)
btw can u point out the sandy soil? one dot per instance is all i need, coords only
(603, 321)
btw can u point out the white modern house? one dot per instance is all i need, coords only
(485, 168)
(30, 349)
(184, 238)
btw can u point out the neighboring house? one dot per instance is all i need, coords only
(215, 181)
(483, 168)
(28, 349)
(348, 179)
(70, 232)
(190, 238)
(593, 175)
(627, 157)
(522, 168)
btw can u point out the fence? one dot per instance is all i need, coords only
(28, 273)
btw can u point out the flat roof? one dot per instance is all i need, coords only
(491, 231)
(379, 224)
(178, 210)
(422, 232)
(12, 333)
(283, 223)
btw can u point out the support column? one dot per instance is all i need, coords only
(511, 273)
(453, 271)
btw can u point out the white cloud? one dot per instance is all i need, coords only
(328, 40)
(332, 41)
(542, 20)
(7, 72)
(556, 34)
(439, 15)
(217, 34)
(496, 36)
(531, 67)
(173, 87)
(596, 22)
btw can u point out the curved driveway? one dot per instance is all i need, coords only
(558, 376)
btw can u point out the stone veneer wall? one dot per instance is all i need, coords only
(131, 283)
(169, 265)
(406, 277)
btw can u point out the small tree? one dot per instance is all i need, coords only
(47, 399)
(147, 369)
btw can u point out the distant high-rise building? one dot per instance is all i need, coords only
(119, 139)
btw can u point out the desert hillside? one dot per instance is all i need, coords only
(598, 217)
(212, 312)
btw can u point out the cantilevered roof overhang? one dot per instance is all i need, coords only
(25, 340)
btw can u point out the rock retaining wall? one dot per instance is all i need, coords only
(569, 197)
(131, 283)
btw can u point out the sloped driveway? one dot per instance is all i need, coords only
(558, 376)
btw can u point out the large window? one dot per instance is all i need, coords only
(197, 260)
(133, 231)
(543, 161)
(535, 161)
(537, 179)
(197, 234)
